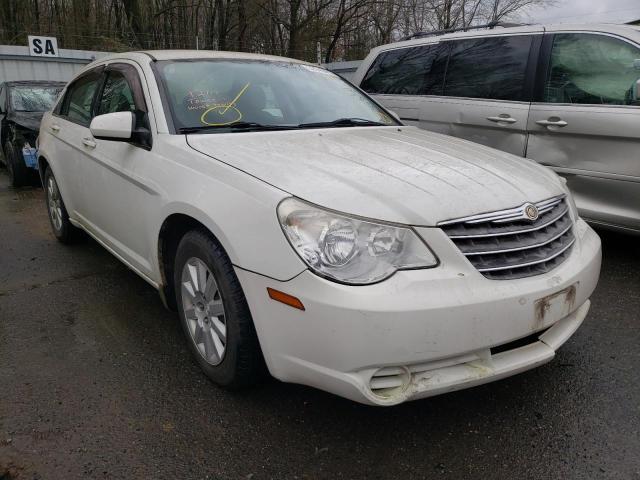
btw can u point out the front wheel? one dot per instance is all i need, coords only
(214, 313)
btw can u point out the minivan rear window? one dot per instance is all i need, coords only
(492, 68)
(407, 71)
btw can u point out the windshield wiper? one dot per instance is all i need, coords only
(236, 127)
(344, 122)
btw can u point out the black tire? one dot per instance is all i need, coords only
(242, 363)
(64, 231)
(19, 174)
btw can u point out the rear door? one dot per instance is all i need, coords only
(487, 91)
(403, 78)
(70, 127)
(585, 123)
(475, 88)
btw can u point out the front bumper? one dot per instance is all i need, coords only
(421, 332)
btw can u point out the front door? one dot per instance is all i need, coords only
(586, 123)
(121, 201)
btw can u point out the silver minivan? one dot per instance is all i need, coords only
(566, 96)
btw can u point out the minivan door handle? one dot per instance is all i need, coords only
(502, 119)
(55, 127)
(552, 123)
(87, 142)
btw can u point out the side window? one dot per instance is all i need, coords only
(407, 71)
(79, 99)
(117, 95)
(592, 69)
(491, 68)
(3, 99)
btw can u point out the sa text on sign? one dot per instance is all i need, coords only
(43, 46)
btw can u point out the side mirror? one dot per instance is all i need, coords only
(118, 126)
(127, 127)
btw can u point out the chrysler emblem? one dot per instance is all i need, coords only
(531, 211)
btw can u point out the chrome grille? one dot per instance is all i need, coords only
(507, 244)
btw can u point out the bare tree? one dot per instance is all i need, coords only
(347, 29)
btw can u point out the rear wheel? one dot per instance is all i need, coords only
(214, 313)
(62, 228)
(19, 174)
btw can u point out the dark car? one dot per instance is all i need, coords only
(22, 104)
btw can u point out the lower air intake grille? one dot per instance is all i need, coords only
(520, 242)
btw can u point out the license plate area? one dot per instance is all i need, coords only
(552, 308)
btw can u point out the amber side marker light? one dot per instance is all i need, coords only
(285, 298)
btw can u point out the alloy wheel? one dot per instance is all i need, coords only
(55, 203)
(204, 311)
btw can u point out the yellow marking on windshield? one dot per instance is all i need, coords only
(221, 109)
(237, 97)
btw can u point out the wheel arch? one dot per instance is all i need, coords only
(173, 228)
(43, 163)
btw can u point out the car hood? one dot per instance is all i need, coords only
(397, 174)
(28, 120)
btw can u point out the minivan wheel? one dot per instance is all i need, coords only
(62, 228)
(214, 313)
(19, 174)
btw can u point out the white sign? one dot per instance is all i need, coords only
(43, 46)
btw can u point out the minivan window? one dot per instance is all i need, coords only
(490, 68)
(407, 71)
(592, 69)
(79, 99)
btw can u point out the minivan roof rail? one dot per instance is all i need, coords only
(489, 25)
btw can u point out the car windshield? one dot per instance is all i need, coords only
(30, 98)
(230, 95)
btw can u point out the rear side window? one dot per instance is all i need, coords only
(592, 69)
(492, 68)
(407, 71)
(79, 99)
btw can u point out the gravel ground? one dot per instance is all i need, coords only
(96, 382)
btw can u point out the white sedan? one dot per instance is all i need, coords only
(298, 227)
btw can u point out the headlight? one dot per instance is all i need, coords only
(351, 250)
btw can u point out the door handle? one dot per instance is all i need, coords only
(552, 123)
(55, 127)
(87, 142)
(502, 119)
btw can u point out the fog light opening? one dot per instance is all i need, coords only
(389, 382)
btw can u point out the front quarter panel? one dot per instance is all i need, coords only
(237, 208)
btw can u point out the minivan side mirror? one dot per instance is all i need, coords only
(130, 127)
(116, 126)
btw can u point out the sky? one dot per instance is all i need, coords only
(584, 11)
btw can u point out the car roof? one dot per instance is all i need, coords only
(195, 55)
(521, 29)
